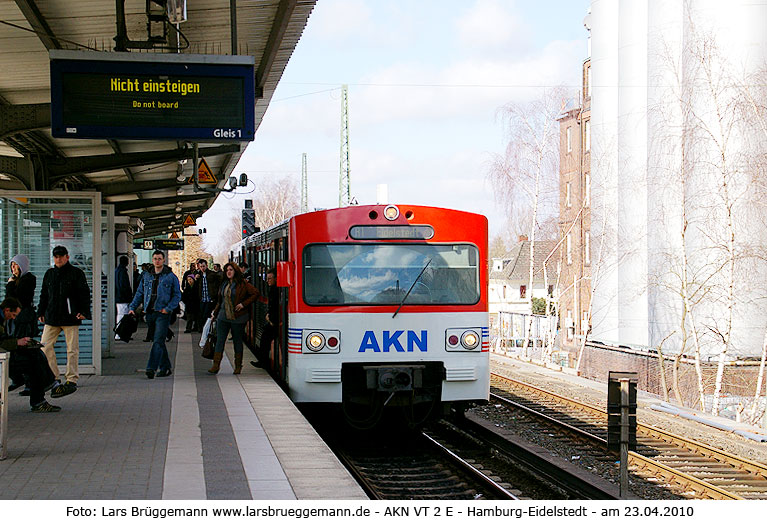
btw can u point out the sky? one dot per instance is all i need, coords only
(426, 81)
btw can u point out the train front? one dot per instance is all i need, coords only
(388, 308)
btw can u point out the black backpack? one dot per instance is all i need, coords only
(126, 328)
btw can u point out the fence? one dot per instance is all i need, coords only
(512, 329)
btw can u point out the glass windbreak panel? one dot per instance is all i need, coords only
(32, 226)
(336, 274)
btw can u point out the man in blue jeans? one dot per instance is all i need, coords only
(159, 291)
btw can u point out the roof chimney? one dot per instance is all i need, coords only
(522, 238)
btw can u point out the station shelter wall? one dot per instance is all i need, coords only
(33, 226)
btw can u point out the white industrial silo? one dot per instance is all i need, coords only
(653, 123)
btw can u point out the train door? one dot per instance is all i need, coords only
(281, 349)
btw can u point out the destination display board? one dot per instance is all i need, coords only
(159, 244)
(152, 96)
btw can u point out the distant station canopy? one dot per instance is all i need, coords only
(151, 96)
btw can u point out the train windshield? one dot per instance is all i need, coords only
(354, 274)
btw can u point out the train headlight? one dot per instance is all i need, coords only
(464, 339)
(469, 340)
(315, 342)
(391, 212)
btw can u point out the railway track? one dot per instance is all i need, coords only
(698, 470)
(423, 468)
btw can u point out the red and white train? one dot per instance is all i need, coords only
(379, 306)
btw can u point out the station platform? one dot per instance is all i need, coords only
(189, 436)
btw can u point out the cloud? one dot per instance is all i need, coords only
(491, 28)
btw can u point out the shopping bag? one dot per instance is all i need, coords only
(206, 330)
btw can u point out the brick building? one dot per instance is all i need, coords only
(575, 216)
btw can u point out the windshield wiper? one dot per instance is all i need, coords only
(411, 288)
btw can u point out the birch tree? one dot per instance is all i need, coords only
(527, 174)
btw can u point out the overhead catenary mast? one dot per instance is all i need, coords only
(304, 185)
(344, 181)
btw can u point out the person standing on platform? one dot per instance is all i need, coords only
(29, 363)
(231, 313)
(123, 292)
(191, 271)
(245, 271)
(207, 287)
(65, 301)
(136, 277)
(21, 286)
(160, 294)
(269, 333)
(191, 302)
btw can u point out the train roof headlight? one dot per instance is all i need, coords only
(391, 212)
(315, 342)
(469, 339)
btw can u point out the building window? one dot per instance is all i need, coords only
(522, 291)
(587, 248)
(584, 321)
(568, 134)
(568, 199)
(504, 291)
(551, 290)
(587, 135)
(588, 82)
(570, 325)
(569, 242)
(587, 191)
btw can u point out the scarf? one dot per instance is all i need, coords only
(229, 289)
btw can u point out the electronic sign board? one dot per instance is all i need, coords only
(152, 96)
(159, 244)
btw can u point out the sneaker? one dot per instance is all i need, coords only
(150, 374)
(164, 373)
(44, 406)
(51, 386)
(26, 392)
(258, 364)
(64, 390)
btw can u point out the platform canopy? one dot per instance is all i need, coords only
(141, 178)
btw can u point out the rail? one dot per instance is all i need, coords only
(657, 439)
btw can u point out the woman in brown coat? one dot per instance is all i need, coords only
(231, 313)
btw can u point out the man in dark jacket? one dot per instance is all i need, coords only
(25, 362)
(160, 294)
(208, 284)
(123, 292)
(65, 300)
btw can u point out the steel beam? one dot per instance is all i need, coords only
(59, 168)
(38, 23)
(122, 188)
(24, 117)
(123, 206)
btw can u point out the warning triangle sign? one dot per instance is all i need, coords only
(189, 221)
(174, 235)
(204, 174)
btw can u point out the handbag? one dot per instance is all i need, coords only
(209, 348)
